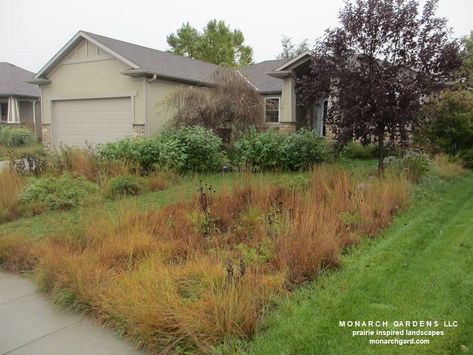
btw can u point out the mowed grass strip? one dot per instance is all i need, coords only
(421, 268)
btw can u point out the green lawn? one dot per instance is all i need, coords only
(421, 268)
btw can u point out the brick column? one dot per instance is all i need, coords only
(287, 127)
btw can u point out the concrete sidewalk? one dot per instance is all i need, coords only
(29, 324)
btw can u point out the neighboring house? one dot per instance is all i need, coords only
(19, 100)
(98, 89)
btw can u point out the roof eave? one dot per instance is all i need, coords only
(20, 95)
(149, 73)
(291, 63)
(39, 81)
(281, 74)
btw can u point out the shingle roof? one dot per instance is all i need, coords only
(160, 62)
(184, 68)
(13, 81)
(144, 60)
(257, 74)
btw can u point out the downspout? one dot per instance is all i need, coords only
(147, 108)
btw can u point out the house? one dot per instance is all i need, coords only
(19, 100)
(98, 89)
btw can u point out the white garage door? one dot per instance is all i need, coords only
(91, 121)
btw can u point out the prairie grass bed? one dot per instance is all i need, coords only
(419, 269)
(197, 269)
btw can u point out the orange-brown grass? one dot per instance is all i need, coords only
(11, 184)
(198, 271)
(81, 162)
(17, 253)
(158, 180)
(448, 168)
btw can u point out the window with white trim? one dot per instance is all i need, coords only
(271, 109)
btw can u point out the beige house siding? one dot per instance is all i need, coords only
(159, 112)
(90, 73)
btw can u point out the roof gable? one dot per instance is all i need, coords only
(70, 46)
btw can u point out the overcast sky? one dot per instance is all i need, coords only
(32, 31)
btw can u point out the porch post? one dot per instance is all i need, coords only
(288, 116)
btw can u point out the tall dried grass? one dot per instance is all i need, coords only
(447, 168)
(11, 184)
(198, 271)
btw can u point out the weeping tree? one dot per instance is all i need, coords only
(230, 107)
(378, 65)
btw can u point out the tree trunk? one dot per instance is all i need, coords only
(381, 153)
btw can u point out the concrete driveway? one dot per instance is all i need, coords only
(29, 324)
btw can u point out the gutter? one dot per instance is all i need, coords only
(144, 72)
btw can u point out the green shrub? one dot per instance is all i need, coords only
(16, 137)
(191, 149)
(358, 151)
(467, 158)
(141, 152)
(54, 193)
(448, 123)
(124, 185)
(272, 150)
(261, 151)
(303, 149)
(413, 165)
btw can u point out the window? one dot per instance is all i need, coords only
(271, 110)
(3, 112)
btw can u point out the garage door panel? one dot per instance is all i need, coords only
(91, 121)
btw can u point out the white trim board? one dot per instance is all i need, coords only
(94, 96)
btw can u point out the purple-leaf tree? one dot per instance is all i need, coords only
(377, 67)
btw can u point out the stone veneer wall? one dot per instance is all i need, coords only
(138, 131)
(46, 135)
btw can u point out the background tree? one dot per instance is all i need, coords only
(447, 126)
(290, 49)
(378, 65)
(217, 44)
(229, 108)
(468, 56)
